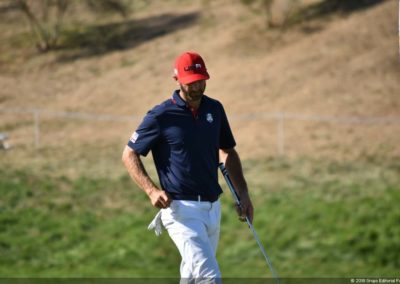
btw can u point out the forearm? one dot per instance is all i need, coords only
(233, 164)
(136, 170)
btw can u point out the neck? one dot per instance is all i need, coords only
(192, 103)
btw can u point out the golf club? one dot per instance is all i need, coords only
(237, 200)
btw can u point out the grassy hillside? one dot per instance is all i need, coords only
(316, 219)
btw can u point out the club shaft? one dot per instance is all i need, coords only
(274, 274)
(237, 200)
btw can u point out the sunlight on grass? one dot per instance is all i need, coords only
(321, 219)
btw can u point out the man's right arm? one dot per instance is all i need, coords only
(131, 159)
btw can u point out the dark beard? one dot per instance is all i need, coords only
(195, 96)
(192, 96)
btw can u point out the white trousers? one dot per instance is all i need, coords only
(194, 227)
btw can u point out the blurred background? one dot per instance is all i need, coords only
(311, 89)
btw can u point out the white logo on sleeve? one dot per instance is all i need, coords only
(210, 117)
(134, 137)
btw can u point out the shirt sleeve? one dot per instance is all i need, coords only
(226, 139)
(146, 135)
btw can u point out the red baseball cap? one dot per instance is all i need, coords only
(190, 67)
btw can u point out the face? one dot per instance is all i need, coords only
(193, 91)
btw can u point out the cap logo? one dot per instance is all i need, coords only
(192, 67)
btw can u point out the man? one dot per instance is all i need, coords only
(189, 135)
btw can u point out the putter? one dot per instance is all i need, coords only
(237, 200)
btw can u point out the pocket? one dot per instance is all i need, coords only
(173, 207)
(217, 211)
(170, 214)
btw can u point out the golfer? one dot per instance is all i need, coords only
(188, 135)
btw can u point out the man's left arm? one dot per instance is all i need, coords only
(232, 163)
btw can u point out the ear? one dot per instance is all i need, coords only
(175, 76)
(176, 80)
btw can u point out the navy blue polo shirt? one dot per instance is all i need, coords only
(185, 147)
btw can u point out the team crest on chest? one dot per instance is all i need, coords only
(210, 117)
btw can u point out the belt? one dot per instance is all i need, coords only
(208, 198)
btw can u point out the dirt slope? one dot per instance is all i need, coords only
(341, 65)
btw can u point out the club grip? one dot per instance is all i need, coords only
(229, 182)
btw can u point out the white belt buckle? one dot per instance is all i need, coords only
(199, 198)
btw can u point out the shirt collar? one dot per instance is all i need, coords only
(177, 99)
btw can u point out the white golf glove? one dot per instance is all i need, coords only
(156, 224)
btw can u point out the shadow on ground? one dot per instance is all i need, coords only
(324, 9)
(327, 7)
(99, 39)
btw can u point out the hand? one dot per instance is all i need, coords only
(246, 208)
(159, 198)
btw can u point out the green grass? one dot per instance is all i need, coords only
(315, 218)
